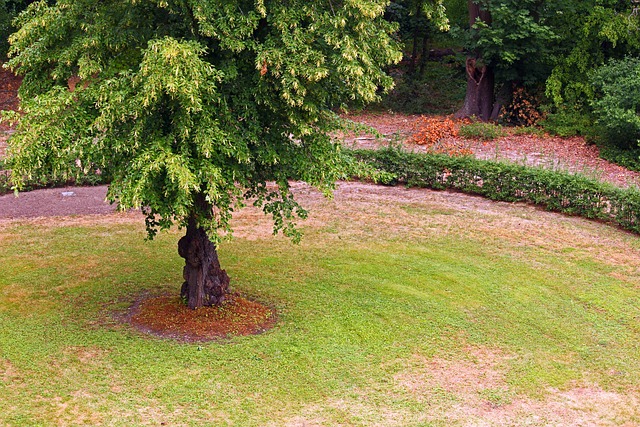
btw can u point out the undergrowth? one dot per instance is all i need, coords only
(628, 158)
(482, 131)
(440, 90)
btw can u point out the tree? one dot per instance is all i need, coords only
(509, 42)
(606, 31)
(478, 101)
(195, 107)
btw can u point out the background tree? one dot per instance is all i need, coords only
(417, 19)
(593, 32)
(195, 107)
(509, 43)
(9, 9)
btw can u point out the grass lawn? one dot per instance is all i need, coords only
(399, 308)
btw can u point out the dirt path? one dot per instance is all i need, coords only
(56, 202)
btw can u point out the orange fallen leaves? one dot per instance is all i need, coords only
(440, 135)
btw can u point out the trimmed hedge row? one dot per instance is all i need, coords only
(556, 191)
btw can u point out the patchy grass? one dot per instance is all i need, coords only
(400, 308)
(481, 131)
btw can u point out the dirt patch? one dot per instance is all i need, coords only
(8, 372)
(470, 391)
(473, 391)
(168, 317)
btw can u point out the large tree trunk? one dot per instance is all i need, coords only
(479, 99)
(205, 283)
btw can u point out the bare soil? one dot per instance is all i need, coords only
(168, 317)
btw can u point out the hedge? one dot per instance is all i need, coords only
(556, 191)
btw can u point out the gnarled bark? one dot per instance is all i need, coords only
(205, 283)
(479, 100)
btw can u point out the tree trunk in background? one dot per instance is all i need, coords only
(205, 282)
(479, 99)
(425, 53)
(416, 36)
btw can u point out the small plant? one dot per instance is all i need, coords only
(496, 397)
(569, 122)
(528, 130)
(482, 131)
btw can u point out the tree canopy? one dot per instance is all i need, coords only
(195, 107)
(178, 98)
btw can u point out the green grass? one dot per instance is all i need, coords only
(361, 314)
(483, 131)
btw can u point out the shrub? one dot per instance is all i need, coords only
(629, 158)
(617, 102)
(556, 191)
(569, 122)
(523, 110)
(483, 131)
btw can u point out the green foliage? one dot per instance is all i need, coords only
(9, 9)
(482, 131)
(628, 158)
(528, 130)
(45, 181)
(5, 185)
(567, 122)
(556, 191)
(440, 90)
(597, 31)
(182, 98)
(616, 102)
(417, 17)
(517, 42)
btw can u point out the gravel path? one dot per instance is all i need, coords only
(56, 202)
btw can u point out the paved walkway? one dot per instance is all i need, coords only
(56, 202)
